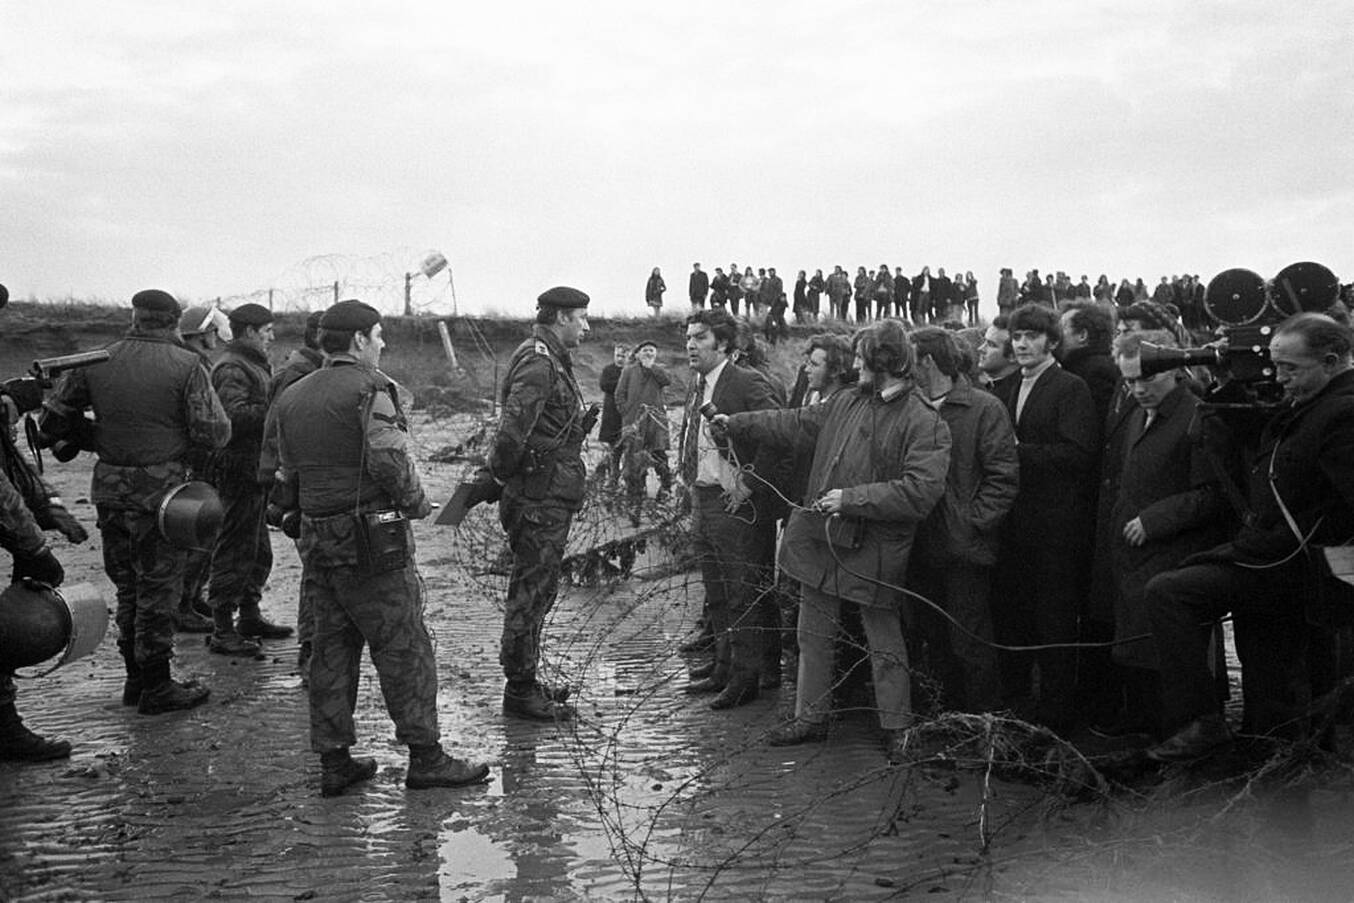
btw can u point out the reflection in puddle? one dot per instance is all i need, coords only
(469, 861)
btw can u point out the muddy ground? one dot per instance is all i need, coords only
(649, 796)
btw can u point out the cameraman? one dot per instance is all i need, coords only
(1301, 482)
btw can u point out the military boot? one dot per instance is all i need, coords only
(19, 744)
(132, 687)
(554, 692)
(162, 693)
(188, 620)
(254, 624)
(231, 643)
(339, 771)
(533, 704)
(430, 766)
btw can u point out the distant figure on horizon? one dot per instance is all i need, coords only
(698, 286)
(653, 291)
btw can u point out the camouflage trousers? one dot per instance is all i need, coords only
(197, 568)
(351, 610)
(537, 533)
(147, 573)
(244, 552)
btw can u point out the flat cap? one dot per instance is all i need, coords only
(154, 299)
(350, 316)
(252, 314)
(562, 296)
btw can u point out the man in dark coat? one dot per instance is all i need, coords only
(1044, 544)
(609, 432)
(1087, 331)
(1301, 497)
(697, 287)
(1085, 352)
(957, 545)
(719, 289)
(731, 509)
(1163, 502)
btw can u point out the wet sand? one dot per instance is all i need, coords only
(649, 796)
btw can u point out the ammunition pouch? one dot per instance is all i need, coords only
(538, 470)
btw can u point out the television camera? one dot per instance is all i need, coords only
(1247, 310)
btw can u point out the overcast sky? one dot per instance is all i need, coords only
(232, 147)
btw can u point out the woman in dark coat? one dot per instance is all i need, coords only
(653, 291)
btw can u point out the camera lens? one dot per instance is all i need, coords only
(708, 410)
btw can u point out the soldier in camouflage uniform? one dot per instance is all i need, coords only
(342, 447)
(201, 331)
(27, 507)
(537, 460)
(153, 403)
(301, 362)
(244, 553)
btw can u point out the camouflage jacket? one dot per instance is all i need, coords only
(241, 378)
(537, 451)
(301, 362)
(153, 403)
(20, 534)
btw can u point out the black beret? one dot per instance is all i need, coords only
(313, 321)
(154, 299)
(562, 296)
(251, 315)
(4, 296)
(350, 316)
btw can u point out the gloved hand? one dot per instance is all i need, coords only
(65, 523)
(483, 488)
(288, 520)
(42, 567)
(26, 392)
(291, 524)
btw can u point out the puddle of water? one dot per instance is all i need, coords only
(470, 862)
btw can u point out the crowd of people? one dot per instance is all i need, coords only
(1045, 515)
(926, 297)
(1022, 514)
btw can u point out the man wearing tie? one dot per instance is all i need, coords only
(730, 505)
